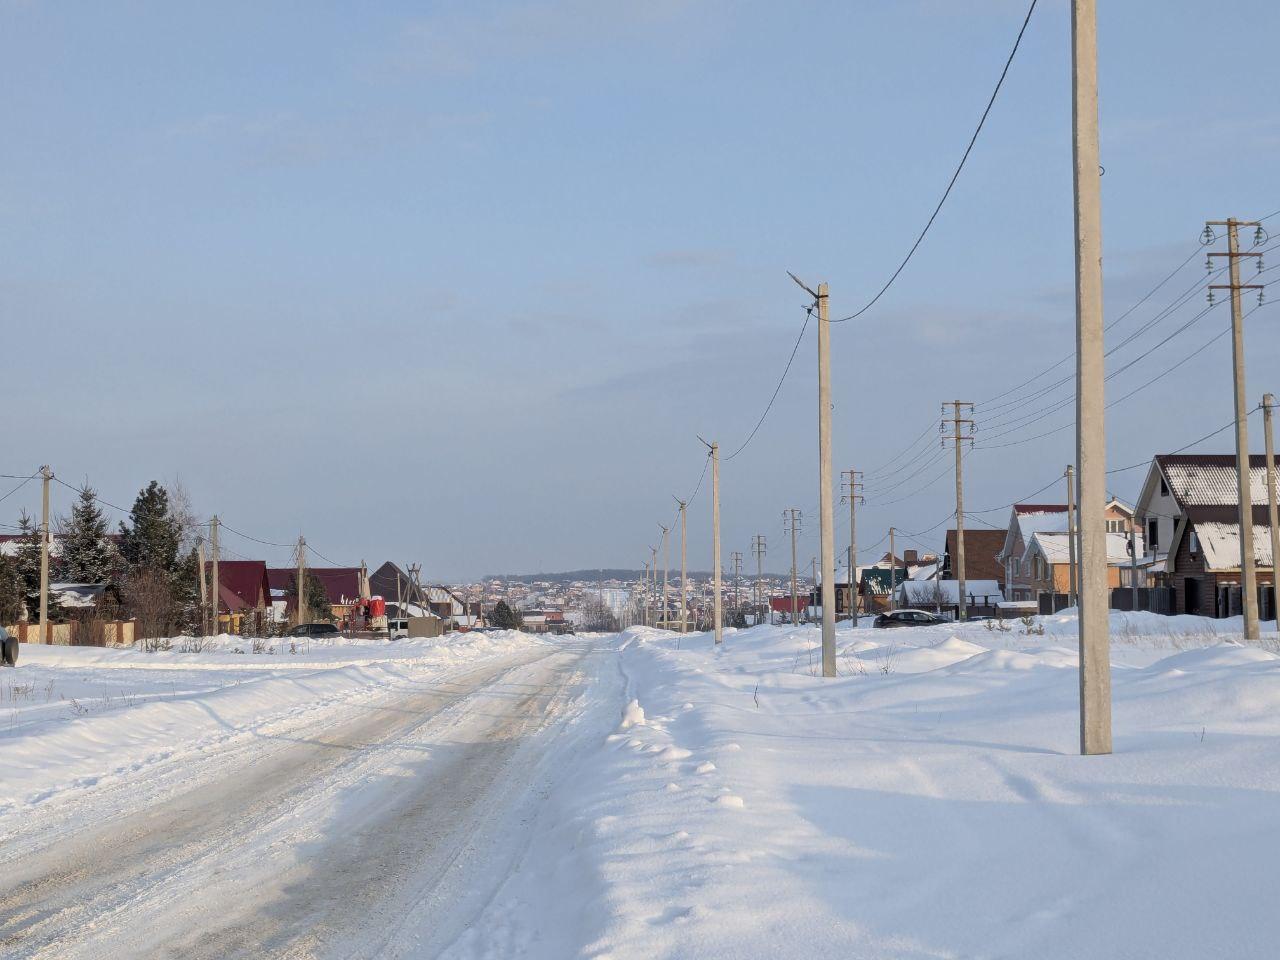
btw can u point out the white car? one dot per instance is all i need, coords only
(397, 629)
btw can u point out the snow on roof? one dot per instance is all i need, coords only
(1221, 544)
(947, 592)
(77, 595)
(1056, 547)
(1210, 479)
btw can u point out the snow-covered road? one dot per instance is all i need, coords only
(373, 835)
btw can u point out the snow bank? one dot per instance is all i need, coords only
(929, 801)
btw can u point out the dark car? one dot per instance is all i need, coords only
(909, 618)
(8, 648)
(313, 630)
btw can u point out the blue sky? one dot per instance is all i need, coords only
(460, 282)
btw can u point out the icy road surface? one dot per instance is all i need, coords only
(374, 835)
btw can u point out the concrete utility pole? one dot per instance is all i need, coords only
(214, 582)
(715, 540)
(1248, 575)
(854, 495)
(791, 521)
(666, 566)
(893, 568)
(1073, 591)
(1091, 434)
(736, 559)
(684, 575)
(46, 476)
(961, 431)
(644, 596)
(653, 572)
(301, 575)
(1268, 404)
(758, 548)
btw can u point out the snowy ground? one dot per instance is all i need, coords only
(644, 796)
(930, 802)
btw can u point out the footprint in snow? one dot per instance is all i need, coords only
(675, 753)
(705, 767)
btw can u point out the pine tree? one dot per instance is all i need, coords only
(504, 617)
(150, 540)
(27, 563)
(317, 597)
(10, 591)
(86, 551)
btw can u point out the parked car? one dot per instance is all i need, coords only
(313, 630)
(909, 618)
(397, 628)
(8, 649)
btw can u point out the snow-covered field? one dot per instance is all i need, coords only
(930, 802)
(645, 796)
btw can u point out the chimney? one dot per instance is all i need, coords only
(910, 557)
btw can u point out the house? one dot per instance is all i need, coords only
(83, 598)
(1046, 563)
(981, 555)
(1028, 519)
(944, 596)
(242, 585)
(341, 586)
(876, 585)
(1189, 510)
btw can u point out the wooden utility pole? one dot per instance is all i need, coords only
(716, 610)
(666, 566)
(1268, 404)
(684, 573)
(301, 580)
(1248, 573)
(893, 569)
(1091, 435)
(214, 583)
(854, 483)
(1073, 590)
(791, 521)
(46, 476)
(961, 432)
(204, 591)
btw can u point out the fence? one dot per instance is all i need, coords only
(1161, 600)
(85, 633)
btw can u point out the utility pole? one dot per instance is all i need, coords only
(1091, 431)
(961, 431)
(301, 575)
(1268, 404)
(644, 596)
(1073, 595)
(666, 566)
(1248, 574)
(714, 448)
(854, 483)
(204, 591)
(46, 476)
(791, 520)
(736, 559)
(758, 548)
(893, 569)
(684, 574)
(214, 583)
(653, 570)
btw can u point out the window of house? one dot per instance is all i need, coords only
(1153, 534)
(1193, 544)
(1016, 565)
(1164, 487)
(1115, 526)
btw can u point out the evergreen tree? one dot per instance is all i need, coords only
(150, 540)
(504, 617)
(27, 563)
(317, 597)
(10, 591)
(86, 551)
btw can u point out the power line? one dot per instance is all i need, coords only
(25, 481)
(782, 379)
(954, 177)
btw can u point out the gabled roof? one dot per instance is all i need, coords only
(242, 584)
(341, 584)
(877, 580)
(1056, 547)
(1221, 544)
(1028, 519)
(1209, 479)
